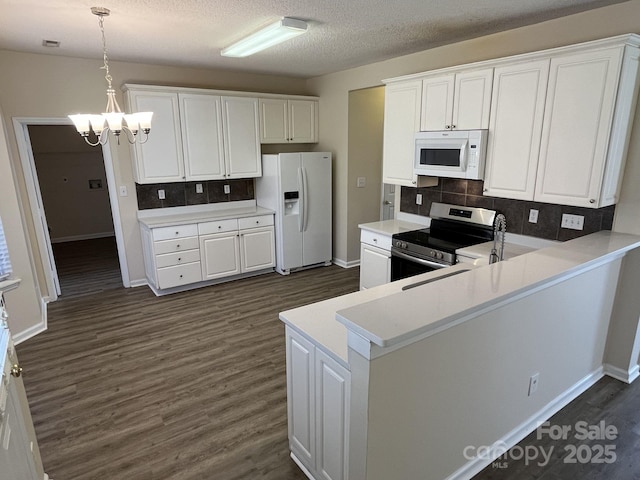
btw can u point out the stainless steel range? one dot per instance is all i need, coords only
(452, 227)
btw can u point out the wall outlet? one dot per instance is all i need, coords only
(361, 182)
(123, 191)
(574, 222)
(198, 188)
(419, 199)
(533, 216)
(227, 189)
(533, 383)
(161, 194)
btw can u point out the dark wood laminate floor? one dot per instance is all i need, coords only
(187, 386)
(87, 266)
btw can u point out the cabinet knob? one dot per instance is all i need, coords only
(181, 276)
(16, 370)
(453, 126)
(414, 182)
(448, 127)
(593, 200)
(375, 240)
(219, 227)
(179, 259)
(177, 233)
(257, 221)
(485, 189)
(178, 245)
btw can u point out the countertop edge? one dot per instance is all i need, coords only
(171, 220)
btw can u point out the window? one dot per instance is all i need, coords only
(5, 264)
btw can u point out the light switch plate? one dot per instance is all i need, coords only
(198, 188)
(533, 216)
(123, 191)
(361, 182)
(573, 222)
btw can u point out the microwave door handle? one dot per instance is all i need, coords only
(464, 154)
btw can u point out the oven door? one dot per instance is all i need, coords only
(405, 265)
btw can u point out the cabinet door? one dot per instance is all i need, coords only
(472, 100)
(333, 394)
(201, 121)
(514, 131)
(220, 255)
(375, 266)
(577, 123)
(274, 120)
(257, 249)
(159, 159)
(437, 103)
(401, 122)
(303, 121)
(301, 398)
(241, 129)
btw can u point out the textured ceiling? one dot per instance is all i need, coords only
(341, 34)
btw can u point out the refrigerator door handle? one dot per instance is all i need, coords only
(305, 203)
(301, 199)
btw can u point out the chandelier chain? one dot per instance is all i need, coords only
(105, 58)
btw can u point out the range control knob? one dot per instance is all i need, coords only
(432, 253)
(439, 255)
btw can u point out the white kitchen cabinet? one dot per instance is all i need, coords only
(241, 133)
(577, 124)
(459, 101)
(160, 158)
(201, 124)
(375, 259)
(287, 120)
(517, 108)
(318, 403)
(220, 255)
(401, 122)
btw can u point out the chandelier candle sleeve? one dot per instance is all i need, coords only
(116, 121)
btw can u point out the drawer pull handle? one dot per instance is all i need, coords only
(180, 276)
(179, 259)
(16, 370)
(375, 240)
(219, 227)
(257, 221)
(178, 245)
(177, 233)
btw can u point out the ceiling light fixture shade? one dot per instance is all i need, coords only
(113, 116)
(271, 35)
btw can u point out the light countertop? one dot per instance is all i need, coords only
(168, 217)
(391, 227)
(400, 316)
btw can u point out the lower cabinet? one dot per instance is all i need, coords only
(190, 254)
(318, 402)
(375, 259)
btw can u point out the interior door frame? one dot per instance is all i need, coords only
(45, 250)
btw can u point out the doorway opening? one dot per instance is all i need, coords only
(74, 208)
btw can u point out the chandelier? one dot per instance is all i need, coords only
(112, 120)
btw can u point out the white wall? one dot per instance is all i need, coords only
(333, 91)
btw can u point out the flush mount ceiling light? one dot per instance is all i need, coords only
(269, 36)
(113, 115)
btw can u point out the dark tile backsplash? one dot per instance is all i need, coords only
(182, 194)
(469, 193)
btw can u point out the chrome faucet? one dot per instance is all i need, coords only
(499, 228)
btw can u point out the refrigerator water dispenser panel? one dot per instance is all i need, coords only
(291, 203)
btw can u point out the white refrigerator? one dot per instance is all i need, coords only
(297, 186)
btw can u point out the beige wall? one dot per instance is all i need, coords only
(333, 91)
(366, 118)
(45, 86)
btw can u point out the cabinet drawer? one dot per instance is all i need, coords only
(179, 231)
(253, 222)
(218, 226)
(177, 245)
(376, 239)
(179, 275)
(177, 258)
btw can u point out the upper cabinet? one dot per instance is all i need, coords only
(288, 120)
(559, 121)
(160, 158)
(401, 122)
(200, 135)
(458, 101)
(578, 117)
(515, 127)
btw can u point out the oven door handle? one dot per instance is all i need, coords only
(421, 261)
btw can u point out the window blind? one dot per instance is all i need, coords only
(5, 263)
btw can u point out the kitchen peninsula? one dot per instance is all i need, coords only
(392, 383)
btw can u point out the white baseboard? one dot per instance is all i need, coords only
(473, 467)
(626, 376)
(138, 283)
(35, 329)
(343, 264)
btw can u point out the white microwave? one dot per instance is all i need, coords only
(454, 153)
